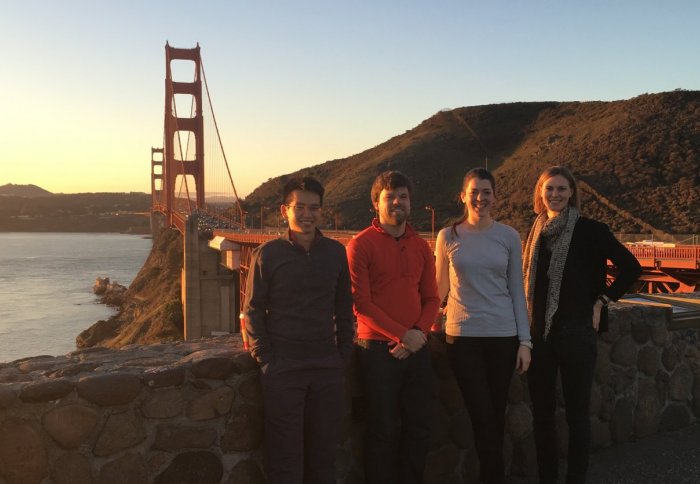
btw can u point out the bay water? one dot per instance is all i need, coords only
(46, 281)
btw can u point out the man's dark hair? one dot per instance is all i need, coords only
(306, 184)
(389, 180)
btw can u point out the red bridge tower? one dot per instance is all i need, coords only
(181, 166)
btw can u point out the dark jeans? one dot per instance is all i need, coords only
(399, 397)
(304, 403)
(571, 348)
(483, 368)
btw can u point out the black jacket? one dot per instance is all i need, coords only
(584, 279)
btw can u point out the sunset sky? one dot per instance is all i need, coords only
(297, 83)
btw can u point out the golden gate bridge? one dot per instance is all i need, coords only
(179, 187)
(180, 190)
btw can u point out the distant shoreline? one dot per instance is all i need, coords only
(136, 231)
(98, 213)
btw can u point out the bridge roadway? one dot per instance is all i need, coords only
(665, 269)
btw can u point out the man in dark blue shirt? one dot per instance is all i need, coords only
(300, 326)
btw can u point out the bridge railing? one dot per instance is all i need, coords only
(666, 269)
(681, 257)
(678, 239)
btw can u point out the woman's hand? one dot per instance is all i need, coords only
(597, 307)
(522, 362)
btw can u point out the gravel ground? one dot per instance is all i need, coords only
(670, 458)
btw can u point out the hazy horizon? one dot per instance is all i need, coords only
(296, 84)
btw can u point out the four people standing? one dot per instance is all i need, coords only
(479, 262)
(565, 270)
(299, 310)
(395, 295)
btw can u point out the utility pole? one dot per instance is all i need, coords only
(432, 220)
(261, 216)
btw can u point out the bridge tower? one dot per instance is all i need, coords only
(157, 184)
(157, 192)
(178, 128)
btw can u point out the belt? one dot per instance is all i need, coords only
(368, 343)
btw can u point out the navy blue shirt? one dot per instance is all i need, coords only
(298, 302)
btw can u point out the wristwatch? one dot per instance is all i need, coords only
(604, 299)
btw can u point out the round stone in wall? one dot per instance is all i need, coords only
(165, 403)
(122, 430)
(674, 417)
(244, 429)
(646, 418)
(622, 421)
(109, 389)
(70, 425)
(681, 384)
(72, 468)
(211, 404)
(518, 421)
(624, 352)
(246, 472)
(670, 357)
(22, 454)
(45, 391)
(696, 395)
(127, 469)
(192, 468)
(648, 360)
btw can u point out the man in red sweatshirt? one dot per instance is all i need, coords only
(395, 297)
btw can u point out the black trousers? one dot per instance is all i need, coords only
(304, 403)
(399, 398)
(571, 348)
(483, 368)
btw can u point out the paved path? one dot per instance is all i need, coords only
(670, 458)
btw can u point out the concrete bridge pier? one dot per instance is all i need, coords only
(209, 290)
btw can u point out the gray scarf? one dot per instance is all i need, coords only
(558, 232)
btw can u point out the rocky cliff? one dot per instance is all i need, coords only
(151, 309)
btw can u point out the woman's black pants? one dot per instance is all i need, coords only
(483, 368)
(570, 348)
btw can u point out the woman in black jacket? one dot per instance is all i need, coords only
(564, 263)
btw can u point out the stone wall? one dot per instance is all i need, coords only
(190, 412)
(647, 381)
(185, 412)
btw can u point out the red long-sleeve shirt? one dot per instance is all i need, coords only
(393, 283)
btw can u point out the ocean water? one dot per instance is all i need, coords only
(46, 281)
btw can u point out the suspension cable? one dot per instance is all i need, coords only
(218, 135)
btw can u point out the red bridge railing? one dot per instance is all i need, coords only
(679, 257)
(665, 269)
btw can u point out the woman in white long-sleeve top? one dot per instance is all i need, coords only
(479, 263)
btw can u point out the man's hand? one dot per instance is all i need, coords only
(398, 351)
(413, 340)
